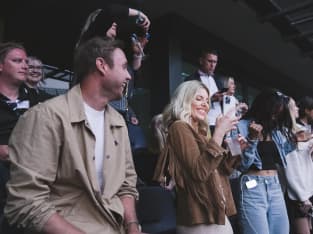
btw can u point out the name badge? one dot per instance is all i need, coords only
(23, 105)
(251, 184)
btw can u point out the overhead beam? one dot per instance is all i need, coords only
(299, 35)
(305, 18)
(286, 11)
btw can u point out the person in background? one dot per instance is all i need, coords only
(206, 74)
(199, 166)
(229, 103)
(298, 174)
(306, 112)
(146, 159)
(55, 28)
(229, 100)
(106, 22)
(159, 133)
(35, 77)
(71, 157)
(15, 99)
(268, 128)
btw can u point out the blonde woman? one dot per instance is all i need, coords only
(198, 165)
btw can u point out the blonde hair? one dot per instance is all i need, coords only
(225, 80)
(179, 107)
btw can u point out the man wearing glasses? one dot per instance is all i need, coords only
(35, 77)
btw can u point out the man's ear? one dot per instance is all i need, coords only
(101, 65)
(200, 61)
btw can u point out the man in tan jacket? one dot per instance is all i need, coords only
(72, 170)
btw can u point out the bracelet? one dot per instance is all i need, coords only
(133, 222)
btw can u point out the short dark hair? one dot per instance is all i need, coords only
(305, 103)
(6, 47)
(206, 51)
(87, 53)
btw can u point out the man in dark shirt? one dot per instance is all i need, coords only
(15, 99)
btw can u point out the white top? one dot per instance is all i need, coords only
(299, 172)
(215, 109)
(96, 121)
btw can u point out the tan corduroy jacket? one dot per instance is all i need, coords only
(53, 168)
(200, 169)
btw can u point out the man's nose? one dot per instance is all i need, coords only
(128, 76)
(25, 64)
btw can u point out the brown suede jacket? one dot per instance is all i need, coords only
(200, 168)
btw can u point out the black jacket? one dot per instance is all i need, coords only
(196, 76)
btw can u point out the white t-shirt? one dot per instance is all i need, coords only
(215, 109)
(96, 121)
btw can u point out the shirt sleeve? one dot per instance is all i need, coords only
(249, 153)
(33, 151)
(129, 185)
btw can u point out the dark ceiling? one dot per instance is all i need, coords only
(276, 32)
(292, 18)
(49, 29)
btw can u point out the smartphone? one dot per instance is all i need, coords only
(229, 105)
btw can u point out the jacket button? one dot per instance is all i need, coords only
(108, 156)
(93, 158)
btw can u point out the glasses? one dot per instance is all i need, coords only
(31, 67)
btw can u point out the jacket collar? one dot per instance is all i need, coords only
(201, 73)
(77, 111)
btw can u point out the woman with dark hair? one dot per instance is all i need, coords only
(267, 127)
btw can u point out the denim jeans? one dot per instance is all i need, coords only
(262, 208)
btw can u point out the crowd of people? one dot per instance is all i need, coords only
(72, 163)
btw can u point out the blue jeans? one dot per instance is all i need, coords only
(262, 208)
